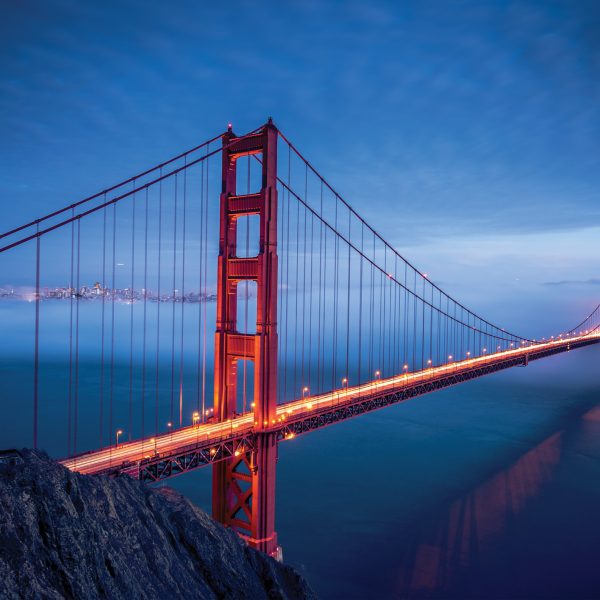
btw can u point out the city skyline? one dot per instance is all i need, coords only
(96, 291)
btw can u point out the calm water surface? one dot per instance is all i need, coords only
(487, 490)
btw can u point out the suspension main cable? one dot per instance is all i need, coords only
(110, 189)
(379, 236)
(376, 235)
(148, 184)
(414, 294)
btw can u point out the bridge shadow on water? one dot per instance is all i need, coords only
(477, 545)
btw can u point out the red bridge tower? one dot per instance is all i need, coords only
(244, 486)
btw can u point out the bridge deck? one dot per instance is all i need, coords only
(190, 447)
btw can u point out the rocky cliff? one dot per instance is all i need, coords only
(64, 535)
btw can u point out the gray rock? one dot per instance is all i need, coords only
(65, 535)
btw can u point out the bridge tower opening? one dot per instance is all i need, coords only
(244, 485)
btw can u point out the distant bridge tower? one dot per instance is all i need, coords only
(244, 486)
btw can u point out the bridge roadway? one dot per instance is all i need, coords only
(184, 449)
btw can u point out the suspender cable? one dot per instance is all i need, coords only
(145, 315)
(158, 303)
(70, 399)
(390, 320)
(321, 267)
(174, 304)
(37, 343)
(76, 415)
(405, 348)
(281, 242)
(430, 357)
(102, 327)
(205, 271)
(246, 286)
(360, 303)
(132, 300)
(348, 309)
(310, 309)
(323, 320)
(415, 311)
(381, 366)
(303, 323)
(423, 306)
(397, 318)
(201, 293)
(287, 279)
(371, 322)
(335, 301)
(296, 293)
(182, 330)
(112, 324)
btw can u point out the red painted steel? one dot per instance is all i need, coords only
(244, 485)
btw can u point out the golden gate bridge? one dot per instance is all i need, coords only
(318, 320)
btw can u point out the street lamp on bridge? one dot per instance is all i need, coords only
(119, 432)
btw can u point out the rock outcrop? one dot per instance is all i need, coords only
(65, 535)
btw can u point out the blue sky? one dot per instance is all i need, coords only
(468, 133)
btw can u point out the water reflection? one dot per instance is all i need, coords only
(456, 553)
(454, 542)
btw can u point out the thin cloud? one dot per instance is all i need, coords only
(591, 281)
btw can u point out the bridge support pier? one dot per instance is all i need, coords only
(244, 485)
